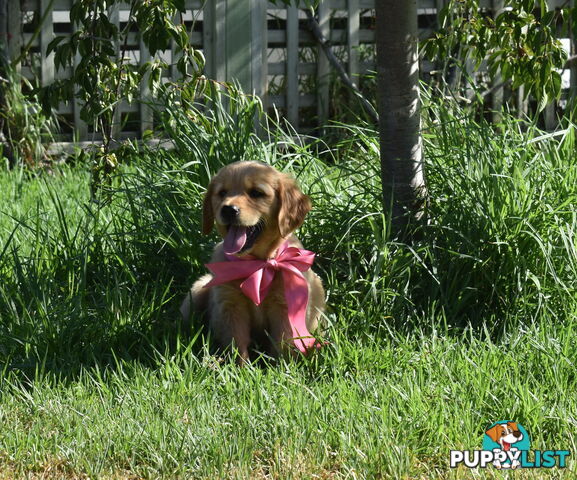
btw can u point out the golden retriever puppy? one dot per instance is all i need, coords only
(256, 209)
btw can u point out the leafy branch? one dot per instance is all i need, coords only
(519, 43)
(103, 76)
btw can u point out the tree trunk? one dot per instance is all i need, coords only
(3, 27)
(402, 173)
(6, 148)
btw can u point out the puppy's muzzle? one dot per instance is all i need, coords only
(229, 214)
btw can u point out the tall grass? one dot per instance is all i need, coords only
(26, 128)
(499, 248)
(503, 207)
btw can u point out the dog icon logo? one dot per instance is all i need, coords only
(506, 439)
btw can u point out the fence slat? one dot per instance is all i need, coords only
(174, 54)
(219, 40)
(46, 36)
(323, 68)
(258, 57)
(353, 26)
(439, 5)
(14, 31)
(292, 59)
(522, 105)
(550, 117)
(497, 95)
(146, 115)
(573, 69)
(117, 119)
(208, 38)
(257, 43)
(80, 125)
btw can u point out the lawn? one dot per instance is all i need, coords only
(429, 343)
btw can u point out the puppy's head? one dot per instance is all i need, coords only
(254, 207)
(505, 434)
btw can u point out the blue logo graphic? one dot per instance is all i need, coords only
(507, 436)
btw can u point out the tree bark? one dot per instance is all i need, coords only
(402, 171)
(3, 26)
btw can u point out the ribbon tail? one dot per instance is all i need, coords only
(296, 295)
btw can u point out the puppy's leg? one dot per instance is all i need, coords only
(230, 319)
(279, 329)
(197, 298)
(316, 304)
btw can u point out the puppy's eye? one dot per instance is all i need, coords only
(222, 193)
(254, 193)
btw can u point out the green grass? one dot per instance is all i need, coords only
(429, 343)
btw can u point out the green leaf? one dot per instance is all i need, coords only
(543, 101)
(54, 44)
(555, 83)
(147, 135)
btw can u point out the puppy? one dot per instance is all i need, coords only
(256, 210)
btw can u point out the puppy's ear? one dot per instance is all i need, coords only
(494, 433)
(207, 212)
(294, 206)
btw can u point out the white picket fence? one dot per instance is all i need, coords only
(266, 47)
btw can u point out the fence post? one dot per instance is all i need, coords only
(323, 67)
(292, 60)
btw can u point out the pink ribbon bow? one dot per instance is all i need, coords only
(259, 274)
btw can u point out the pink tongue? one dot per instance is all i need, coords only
(235, 239)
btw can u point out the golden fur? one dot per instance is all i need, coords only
(263, 196)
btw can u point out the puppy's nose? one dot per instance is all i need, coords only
(229, 213)
(517, 433)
